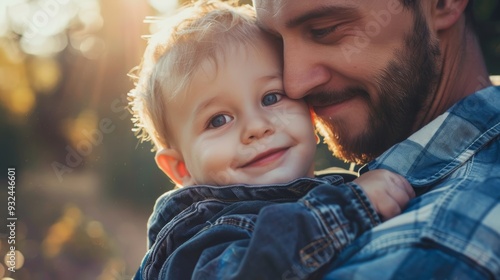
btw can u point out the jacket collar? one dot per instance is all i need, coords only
(447, 142)
(170, 206)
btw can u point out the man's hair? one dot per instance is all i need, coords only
(199, 31)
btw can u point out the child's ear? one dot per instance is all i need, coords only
(170, 161)
(447, 13)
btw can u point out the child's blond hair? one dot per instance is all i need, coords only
(199, 31)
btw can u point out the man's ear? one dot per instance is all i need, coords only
(170, 161)
(448, 12)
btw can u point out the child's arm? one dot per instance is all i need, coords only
(388, 192)
(290, 240)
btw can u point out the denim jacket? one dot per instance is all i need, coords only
(254, 232)
(452, 230)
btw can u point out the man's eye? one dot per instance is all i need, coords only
(271, 98)
(219, 120)
(322, 32)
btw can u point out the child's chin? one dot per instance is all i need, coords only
(276, 176)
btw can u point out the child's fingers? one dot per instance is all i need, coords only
(388, 209)
(400, 183)
(399, 193)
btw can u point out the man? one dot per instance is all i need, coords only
(402, 85)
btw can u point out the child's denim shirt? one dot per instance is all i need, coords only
(286, 231)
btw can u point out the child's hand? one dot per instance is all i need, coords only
(388, 192)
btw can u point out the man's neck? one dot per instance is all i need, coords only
(462, 72)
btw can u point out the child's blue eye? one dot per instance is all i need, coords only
(271, 98)
(219, 120)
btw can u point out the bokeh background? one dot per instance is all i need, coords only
(85, 186)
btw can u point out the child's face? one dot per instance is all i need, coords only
(236, 125)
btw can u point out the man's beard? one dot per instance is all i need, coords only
(405, 87)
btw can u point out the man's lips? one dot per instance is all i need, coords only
(326, 101)
(326, 105)
(266, 157)
(332, 98)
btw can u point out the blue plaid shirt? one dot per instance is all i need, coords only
(452, 230)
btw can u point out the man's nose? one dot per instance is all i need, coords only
(303, 69)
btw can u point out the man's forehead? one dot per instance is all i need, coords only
(286, 12)
(264, 8)
(269, 5)
(270, 11)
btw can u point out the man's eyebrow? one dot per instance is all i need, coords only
(324, 11)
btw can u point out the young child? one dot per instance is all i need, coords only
(210, 96)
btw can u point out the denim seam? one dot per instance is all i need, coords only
(241, 223)
(362, 200)
(308, 258)
(330, 232)
(475, 146)
(463, 247)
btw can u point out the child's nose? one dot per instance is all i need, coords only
(257, 128)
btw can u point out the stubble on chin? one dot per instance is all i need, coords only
(405, 88)
(339, 139)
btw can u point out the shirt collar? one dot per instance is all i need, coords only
(447, 142)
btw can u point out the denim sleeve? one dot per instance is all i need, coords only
(290, 240)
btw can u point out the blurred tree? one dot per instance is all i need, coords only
(487, 15)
